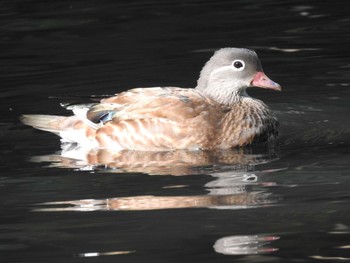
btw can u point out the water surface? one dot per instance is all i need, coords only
(284, 202)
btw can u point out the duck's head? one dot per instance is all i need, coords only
(229, 72)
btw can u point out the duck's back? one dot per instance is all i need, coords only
(159, 119)
(150, 119)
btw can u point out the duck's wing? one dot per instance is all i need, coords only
(142, 119)
(158, 118)
(168, 102)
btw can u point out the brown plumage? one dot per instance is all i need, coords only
(218, 113)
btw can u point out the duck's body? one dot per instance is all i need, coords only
(218, 113)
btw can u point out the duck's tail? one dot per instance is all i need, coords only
(70, 129)
(50, 123)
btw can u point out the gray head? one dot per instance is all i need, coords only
(229, 72)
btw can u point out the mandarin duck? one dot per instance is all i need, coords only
(217, 114)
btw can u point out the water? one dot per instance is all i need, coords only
(271, 203)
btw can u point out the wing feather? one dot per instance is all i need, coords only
(160, 118)
(140, 119)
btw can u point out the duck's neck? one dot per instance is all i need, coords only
(224, 95)
(223, 90)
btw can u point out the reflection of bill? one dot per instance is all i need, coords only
(245, 245)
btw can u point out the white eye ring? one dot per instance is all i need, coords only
(238, 65)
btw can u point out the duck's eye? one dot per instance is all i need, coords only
(238, 65)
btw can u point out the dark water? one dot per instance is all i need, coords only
(287, 202)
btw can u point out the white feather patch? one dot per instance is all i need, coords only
(80, 112)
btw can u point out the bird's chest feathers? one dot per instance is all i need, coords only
(240, 125)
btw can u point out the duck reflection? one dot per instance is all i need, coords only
(245, 245)
(233, 172)
(232, 188)
(139, 203)
(177, 162)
